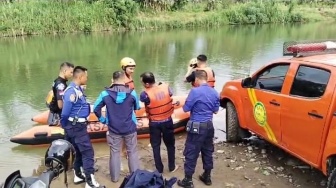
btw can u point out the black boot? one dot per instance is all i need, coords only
(186, 182)
(206, 178)
(78, 177)
(91, 182)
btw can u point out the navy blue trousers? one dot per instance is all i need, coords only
(164, 130)
(78, 136)
(196, 143)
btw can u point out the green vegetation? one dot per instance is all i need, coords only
(59, 16)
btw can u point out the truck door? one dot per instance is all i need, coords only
(263, 102)
(304, 110)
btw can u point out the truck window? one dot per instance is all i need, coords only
(272, 78)
(310, 82)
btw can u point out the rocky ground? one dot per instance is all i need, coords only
(253, 164)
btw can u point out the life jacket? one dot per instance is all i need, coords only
(161, 106)
(49, 97)
(129, 82)
(78, 93)
(51, 100)
(211, 78)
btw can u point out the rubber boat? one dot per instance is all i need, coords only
(45, 134)
(42, 118)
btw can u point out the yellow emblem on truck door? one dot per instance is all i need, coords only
(259, 113)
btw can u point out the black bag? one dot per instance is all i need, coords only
(147, 179)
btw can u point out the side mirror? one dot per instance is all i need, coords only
(246, 82)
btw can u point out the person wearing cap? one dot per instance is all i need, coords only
(202, 102)
(128, 65)
(159, 109)
(199, 63)
(120, 102)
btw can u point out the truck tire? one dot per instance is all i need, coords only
(332, 179)
(232, 123)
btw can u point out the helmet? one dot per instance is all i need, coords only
(193, 62)
(127, 61)
(60, 156)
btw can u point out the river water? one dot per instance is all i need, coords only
(29, 65)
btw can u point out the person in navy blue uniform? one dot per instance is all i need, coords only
(202, 102)
(120, 102)
(74, 122)
(159, 108)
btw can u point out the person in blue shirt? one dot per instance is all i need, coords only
(74, 122)
(202, 102)
(120, 102)
(159, 108)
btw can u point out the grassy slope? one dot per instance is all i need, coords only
(48, 17)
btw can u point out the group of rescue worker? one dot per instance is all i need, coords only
(70, 107)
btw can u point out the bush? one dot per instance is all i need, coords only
(121, 12)
(258, 12)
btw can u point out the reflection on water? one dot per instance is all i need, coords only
(29, 65)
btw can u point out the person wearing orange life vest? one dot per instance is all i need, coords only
(159, 109)
(128, 66)
(199, 63)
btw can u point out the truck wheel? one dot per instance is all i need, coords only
(332, 179)
(232, 123)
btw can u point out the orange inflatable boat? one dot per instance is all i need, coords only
(42, 118)
(45, 134)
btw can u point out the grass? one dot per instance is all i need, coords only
(44, 17)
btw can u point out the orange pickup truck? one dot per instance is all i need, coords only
(291, 102)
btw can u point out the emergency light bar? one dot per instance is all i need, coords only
(293, 48)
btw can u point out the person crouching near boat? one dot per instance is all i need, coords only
(120, 102)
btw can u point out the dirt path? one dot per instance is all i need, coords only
(246, 165)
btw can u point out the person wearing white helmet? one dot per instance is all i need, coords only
(200, 63)
(192, 65)
(128, 66)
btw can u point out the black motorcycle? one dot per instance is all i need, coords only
(58, 158)
(15, 180)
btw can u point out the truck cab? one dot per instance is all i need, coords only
(290, 102)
